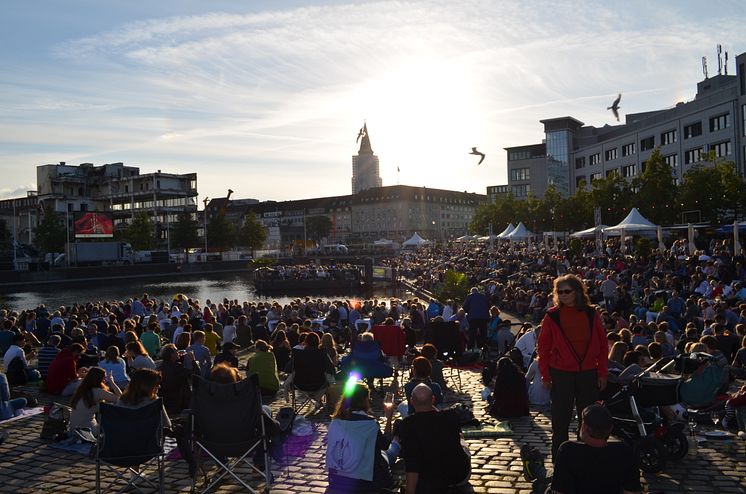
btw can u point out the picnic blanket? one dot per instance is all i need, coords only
(24, 413)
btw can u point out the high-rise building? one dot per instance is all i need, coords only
(365, 174)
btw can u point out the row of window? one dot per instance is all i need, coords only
(520, 174)
(694, 155)
(522, 155)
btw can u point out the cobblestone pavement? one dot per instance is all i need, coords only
(29, 465)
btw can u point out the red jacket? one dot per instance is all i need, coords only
(555, 352)
(62, 371)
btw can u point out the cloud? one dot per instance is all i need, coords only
(20, 191)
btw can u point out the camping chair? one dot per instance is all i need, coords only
(446, 338)
(130, 438)
(227, 425)
(309, 379)
(393, 344)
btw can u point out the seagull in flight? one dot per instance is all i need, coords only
(615, 106)
(477, 153)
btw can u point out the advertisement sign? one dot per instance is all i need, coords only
(93, 225)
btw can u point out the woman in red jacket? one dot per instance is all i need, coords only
(573, 354)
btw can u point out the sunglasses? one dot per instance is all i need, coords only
(565, 292)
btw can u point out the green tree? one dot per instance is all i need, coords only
(139, 233)
(716, 190)
(221, 234)
(455, 286)
(252, 234)
(50, 235)
(184, 232)
(656, 191)
(612, 195)
(318, 227)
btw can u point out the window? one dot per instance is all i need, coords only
(693, 130)
(693, 155)
(721, 148)
(518, 155)
(720, 122)
(628, 149)
(595, 159)
(629, 171)
(521, 190)
(611, 154)
(647, 143)
(596, 176)
(612, 172)
(668, 137)
(579, 162)
(517, 174)
(672, 160)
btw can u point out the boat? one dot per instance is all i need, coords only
(338, 280)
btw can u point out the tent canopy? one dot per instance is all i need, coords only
(415, 241)
(383, 242)
(632, 223)
(466, 238)
(590, 232)
(507, 231)
(519, 233)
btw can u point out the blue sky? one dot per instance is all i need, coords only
(266, 97)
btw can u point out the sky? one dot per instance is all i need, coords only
(267, 97)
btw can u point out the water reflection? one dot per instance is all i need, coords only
(214, 287)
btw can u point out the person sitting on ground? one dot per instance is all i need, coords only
(202, 354)
(366, 465)
(263, 364)
(115, 365)
(430, 352)
(212, 339)
(176, 369)
(616, 355)
(47, 354)
(9, 408)
(421, 374)
(91, 391)
(227, 354)
(510, 396)
(63, 376)
(614, 467)
(537, 394)
(137, 357)
(281, 348)
(17, 368)
(435, 456)
(151, 340)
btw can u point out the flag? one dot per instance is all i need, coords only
(360, 134)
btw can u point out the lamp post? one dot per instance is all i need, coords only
(15, 235)
(204, 217)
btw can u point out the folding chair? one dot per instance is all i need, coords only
(228, 426)
(130, 438)
(446, 338)
(393, 344)
(309, 379)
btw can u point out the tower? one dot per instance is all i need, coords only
(365, 165)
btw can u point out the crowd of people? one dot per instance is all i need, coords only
(600, 312)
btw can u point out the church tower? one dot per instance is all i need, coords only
(365, 174)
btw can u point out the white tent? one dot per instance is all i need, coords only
(590, 232)
(507, 231)
(634, 222)
(415, 241)
(383, 242)
(519, 233)
(466, 238)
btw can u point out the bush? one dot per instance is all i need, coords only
(455, 286)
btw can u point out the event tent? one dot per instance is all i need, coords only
(383, 242)
(415, 241)
(507, 231)
(590, 232)
(632, 223)
(519, 233)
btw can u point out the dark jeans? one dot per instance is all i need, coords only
(477, 332)
(570, 388)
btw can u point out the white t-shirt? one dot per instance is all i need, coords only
(229, 333)
(13, 352)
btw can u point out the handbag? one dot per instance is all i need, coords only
(56, 421)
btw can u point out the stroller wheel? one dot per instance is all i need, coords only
(652, 454)
(676, 444)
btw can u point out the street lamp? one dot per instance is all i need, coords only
(204, 217)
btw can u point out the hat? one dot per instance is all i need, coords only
(598, 419)
(229, 345)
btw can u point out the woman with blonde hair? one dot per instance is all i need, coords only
(616, 355)
(330, 347)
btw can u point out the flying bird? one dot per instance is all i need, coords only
(477, 153)
(615, 106)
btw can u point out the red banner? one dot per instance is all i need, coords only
(93, 225)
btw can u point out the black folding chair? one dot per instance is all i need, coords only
(130, 438)
(309, 379)
(227, 425)
(446, 338)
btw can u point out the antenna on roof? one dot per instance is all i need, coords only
(720, 60)
(704, 66)
(726, 63)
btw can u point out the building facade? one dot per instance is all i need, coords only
(365, 166)
(573, 153)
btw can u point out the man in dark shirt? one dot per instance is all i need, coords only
(595, 465)
(433, 454)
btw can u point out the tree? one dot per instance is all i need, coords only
(51, 234)
(139, 233)
(657, 191)
(184, 232)
(252, 234)
(455, 286)
(318, 227)
(221, 234)
(716, 191)
(612, 195)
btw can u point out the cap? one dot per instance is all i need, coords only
(598, 419)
